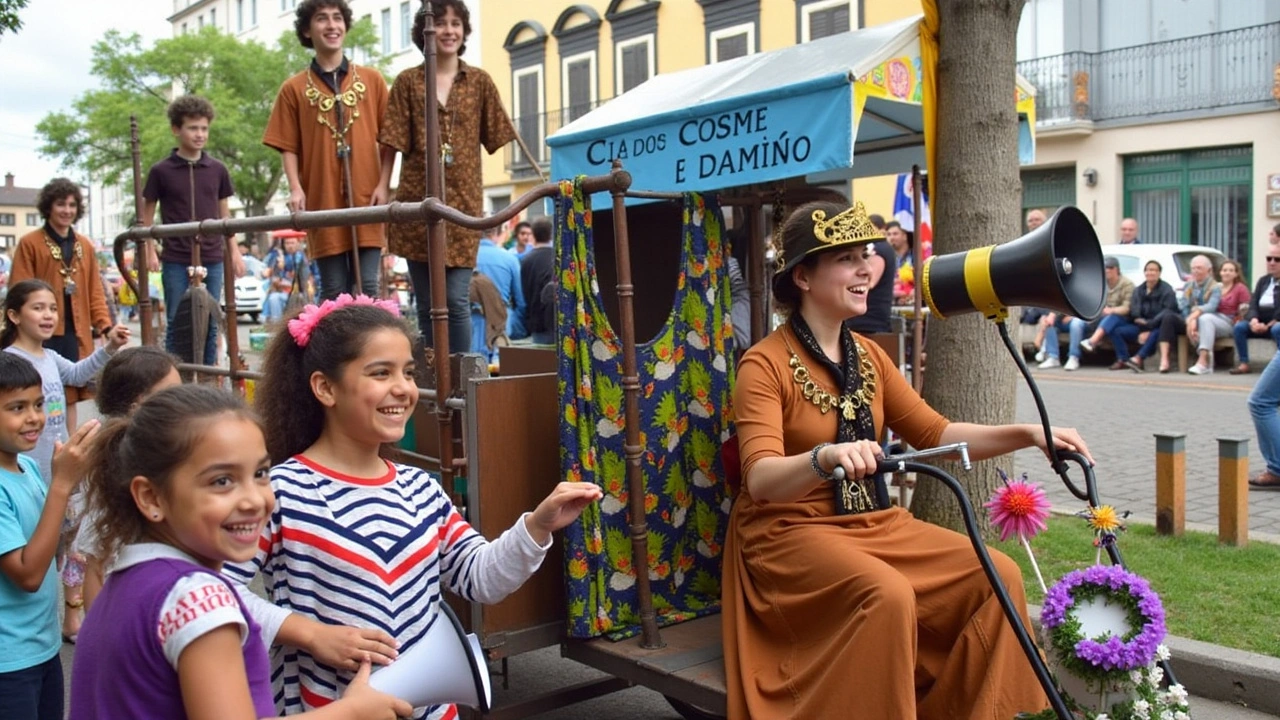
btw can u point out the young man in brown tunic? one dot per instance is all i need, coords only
(332, 107)
(470, 113)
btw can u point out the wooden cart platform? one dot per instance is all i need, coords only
(689, 667)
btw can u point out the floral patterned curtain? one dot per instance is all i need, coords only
(686, 373)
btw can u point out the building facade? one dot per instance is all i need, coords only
(1160, 110)
(554, 61)
(18, 215)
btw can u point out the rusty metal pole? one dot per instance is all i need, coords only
(143, 290)
(917, 318)
(631, 396)
(233, 338)
(754, 213)
(436, 254)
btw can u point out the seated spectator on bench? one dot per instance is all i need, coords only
(1151, 301)
(824, 583)
(1115, 310)
(1261, 320)
(1201, 293)
(1204, 328)
(1049, 354)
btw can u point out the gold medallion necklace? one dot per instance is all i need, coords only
(351, 98)
(824, 400)
(65, 269)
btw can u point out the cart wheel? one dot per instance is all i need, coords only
(692, 712)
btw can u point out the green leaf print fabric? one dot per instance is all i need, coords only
(685, 373)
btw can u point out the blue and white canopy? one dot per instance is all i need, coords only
(836, 108)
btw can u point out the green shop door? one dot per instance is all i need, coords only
(1193, 197)
(1047, 189)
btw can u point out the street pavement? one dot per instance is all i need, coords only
(1117, 412)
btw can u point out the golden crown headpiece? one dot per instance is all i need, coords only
(850, 226)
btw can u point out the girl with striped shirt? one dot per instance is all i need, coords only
(358, 550)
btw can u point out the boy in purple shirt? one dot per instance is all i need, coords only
(189, 175)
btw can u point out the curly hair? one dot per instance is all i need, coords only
(189, 106)
(152, 443)
(129, 376)
(295, 417)
(437, 10)
(13, 303)
(58, 189)
(307, 9)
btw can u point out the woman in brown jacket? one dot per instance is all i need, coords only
(835, 604)
(65, 259)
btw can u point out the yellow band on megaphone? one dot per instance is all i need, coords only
(927, 290)
(977, 282)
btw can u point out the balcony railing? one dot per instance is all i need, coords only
(1218, 70)
(534, 130)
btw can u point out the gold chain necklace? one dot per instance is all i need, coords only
(65, 269)
(351, 98)
(824, 400)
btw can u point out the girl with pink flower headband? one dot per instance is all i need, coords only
(358, 550)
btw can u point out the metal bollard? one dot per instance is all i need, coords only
(1171, 483)
(1233, 491)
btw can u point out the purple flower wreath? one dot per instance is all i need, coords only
(1108, 657)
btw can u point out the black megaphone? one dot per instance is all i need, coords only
(1057, 266)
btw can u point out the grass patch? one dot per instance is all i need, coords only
(1214, 593)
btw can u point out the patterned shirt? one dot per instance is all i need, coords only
(371, 553)
(473, 117)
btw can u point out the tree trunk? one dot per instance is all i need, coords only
(970, 377)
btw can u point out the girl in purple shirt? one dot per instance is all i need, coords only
(181, 488)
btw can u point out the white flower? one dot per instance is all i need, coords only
(697, 409)
(606, 428)
(695, 339)
(600, 351)
(663, 370)
(1135, 677)
(1101, 716)
(1154, 676)
(1166, 715)
(1162, 652)
(1178, 693)
(1181, 716)
(719, 363)
(1141, 708)
(621, 581)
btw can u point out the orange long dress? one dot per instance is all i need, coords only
(878, 615)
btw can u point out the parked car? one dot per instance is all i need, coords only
(250, 295)
(1175, 261)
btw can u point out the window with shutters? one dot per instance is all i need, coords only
(406, 25)
(529, 107)
(8, 219)
(825, 17)
(579, 78)
(1193, 197)
(634, 62)
(733, 42)
(386, 31)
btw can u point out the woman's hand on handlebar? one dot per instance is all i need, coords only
(1064, 439)
(858, 458)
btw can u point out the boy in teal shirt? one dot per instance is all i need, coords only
(30, 521)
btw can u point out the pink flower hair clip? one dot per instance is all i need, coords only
(302, 326)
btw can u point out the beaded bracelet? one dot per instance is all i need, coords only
(813, 462)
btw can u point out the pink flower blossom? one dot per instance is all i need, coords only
(304, 325)
(1018, 509)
